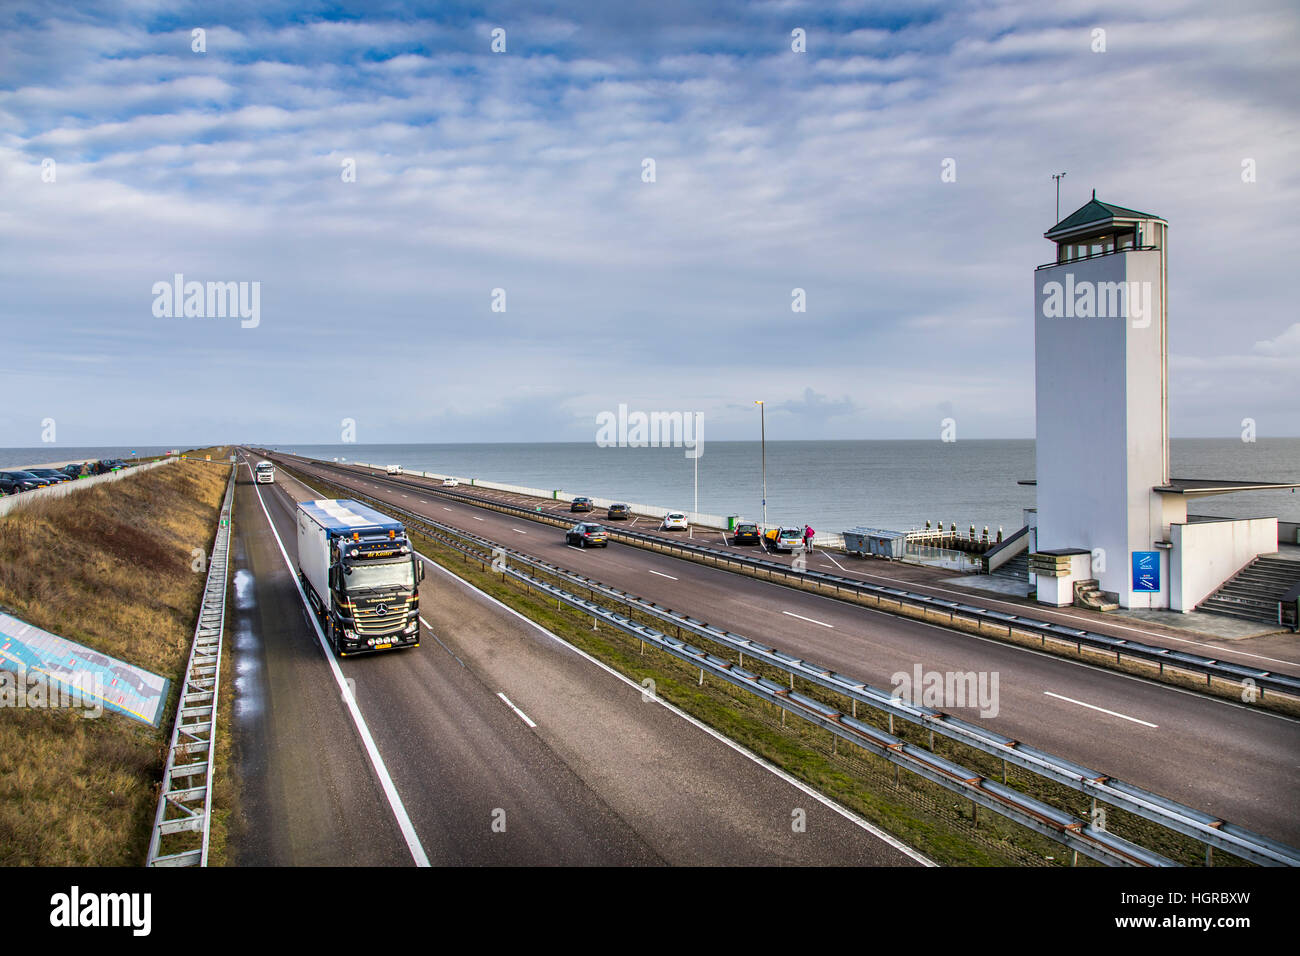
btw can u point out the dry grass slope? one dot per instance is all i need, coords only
(111, 567)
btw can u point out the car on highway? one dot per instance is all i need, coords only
(15, 481)
(394, 469)
(53, 474)
(584, 534)
(674, 521)
(618, 512)
(450, 482)
(784, 539)
(746, 533)
(581, 503)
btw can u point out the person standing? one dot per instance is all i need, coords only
(808, 538)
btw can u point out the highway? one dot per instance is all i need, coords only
(503, 745)
(1218, 756)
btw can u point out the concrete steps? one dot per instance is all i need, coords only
(1017, 567)
(1087, 593)
(1252, 594)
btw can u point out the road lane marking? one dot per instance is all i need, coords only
(446, 509)
(517, 531)
(475, 517)
(571, 546)
(522, 716)
(1113, 713)
(834, 562)
(699, 725)
(808, 619)
(376, 761)
(662, 575)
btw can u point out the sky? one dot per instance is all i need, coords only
(454, 243)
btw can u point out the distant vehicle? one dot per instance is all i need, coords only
(674, 521)
(746, 533)
(450, 482)
(784, 539)
(107, 465)
(581, 504)
(53, 474)
(264, 473)
(394, 469)
(74, 470)
(361, 576)
(16, 481)
(618, 512)
(587, 535)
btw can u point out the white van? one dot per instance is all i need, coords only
(394, 469)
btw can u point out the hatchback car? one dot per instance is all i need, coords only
(674, 521)
(746, 533)
(23, 481)
(619, 512)
(74, 470)
(53, 474)
(586, 535)
(784, 539)
(581, 504)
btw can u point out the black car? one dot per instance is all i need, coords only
(74, 470)
(15, 481)
(52, 473)
(619, 513)
(581, 504)
(586, 535)
(746, 533)
(107, 465)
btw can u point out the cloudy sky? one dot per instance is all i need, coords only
(128, 156)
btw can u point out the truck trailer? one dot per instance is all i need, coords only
(361, 575)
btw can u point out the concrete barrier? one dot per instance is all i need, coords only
(10, 502)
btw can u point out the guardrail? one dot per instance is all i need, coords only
(9, 502)
(953, 614)
(185, 800)
(1205, 828)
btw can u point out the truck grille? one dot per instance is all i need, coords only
(381, 617)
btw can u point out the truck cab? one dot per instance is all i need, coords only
(265, 473)
(361, 575)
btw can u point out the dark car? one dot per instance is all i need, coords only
(581, 504)
(746, 533)
(619, 513)
(586, 535)
(74, 470)
(107, 465)
(15, 481)
(52, 473)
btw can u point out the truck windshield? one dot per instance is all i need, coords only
(392, 574)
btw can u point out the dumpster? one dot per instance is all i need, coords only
(875, 542)
(732, 521)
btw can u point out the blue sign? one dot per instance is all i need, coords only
(1146, 570)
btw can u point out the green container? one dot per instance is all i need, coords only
(732, 521)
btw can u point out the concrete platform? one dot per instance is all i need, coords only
(1207, 625)
(994, 583)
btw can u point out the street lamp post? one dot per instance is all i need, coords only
(762, 419)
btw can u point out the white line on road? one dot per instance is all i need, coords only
(476, 517)
(572, 547)
(517, 531)
(376, 761)
(834, 562)
(1102, 709)
(808, 619)
(662, 575)
(522, 716)
(446, 509)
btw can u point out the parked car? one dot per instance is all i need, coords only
(619, 512)
(581, 504)
(784, 539)
(74, 470)
(746, 533)
(674, 521)
(586, 535)
(53, 474)
(450, 482)
(16, 481)
(107, 465)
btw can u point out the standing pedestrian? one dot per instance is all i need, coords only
(808, 538)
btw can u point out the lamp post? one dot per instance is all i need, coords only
(762, 420)
(1058, 177)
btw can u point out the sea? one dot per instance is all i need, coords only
(832, 485)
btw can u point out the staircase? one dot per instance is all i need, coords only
(1252, 594)
(1087, 593)
(1017, 568)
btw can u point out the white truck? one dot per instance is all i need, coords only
(361, 576)
(394, 469)
(264, 473)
